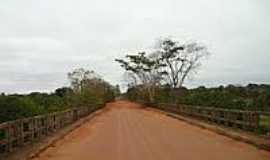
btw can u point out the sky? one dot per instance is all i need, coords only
(42, 40)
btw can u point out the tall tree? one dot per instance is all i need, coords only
(78, 77)
(142, 71)
(179, 60)
(171, 64)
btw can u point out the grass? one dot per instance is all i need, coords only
(265, 123)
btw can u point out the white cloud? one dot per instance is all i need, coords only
(42, 40)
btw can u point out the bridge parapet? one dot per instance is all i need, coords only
(254, 121)
(20, 132)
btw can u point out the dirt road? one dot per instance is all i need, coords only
(124, 131)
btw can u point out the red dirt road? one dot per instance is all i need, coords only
(124, 131)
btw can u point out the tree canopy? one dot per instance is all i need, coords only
(170, 64)
(86, 89)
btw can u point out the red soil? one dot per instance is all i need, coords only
(125, 131)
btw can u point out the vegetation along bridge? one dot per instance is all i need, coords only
(123, 130)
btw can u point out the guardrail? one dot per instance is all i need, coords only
(20, 132)
(253, 121)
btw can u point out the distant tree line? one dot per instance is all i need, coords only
(87, 89)
(250, 97)
(159, 76)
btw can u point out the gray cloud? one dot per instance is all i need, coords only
(40, 41)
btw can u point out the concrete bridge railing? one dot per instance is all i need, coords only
(20, 132)
(253, 121)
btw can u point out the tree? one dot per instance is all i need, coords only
(89, 88)
(178, 61)
(169, 65)
(78, 77)
(62, 92)
(143, 71)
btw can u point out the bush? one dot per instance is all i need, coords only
(251, 97)
(14, 107)
(94, 92)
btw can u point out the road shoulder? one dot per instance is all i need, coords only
(259, 142)
(33, 150)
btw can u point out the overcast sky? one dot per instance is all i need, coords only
(42, 40)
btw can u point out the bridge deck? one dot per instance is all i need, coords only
(125, 131)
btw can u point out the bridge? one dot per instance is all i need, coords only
(127, 131)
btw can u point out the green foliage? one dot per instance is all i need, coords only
(87, 91)
(171, 63)
(90, 89)
(14, 107)
(251, 97)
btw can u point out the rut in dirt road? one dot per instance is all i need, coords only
(124, 131)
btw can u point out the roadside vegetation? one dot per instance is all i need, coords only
(153, 77)
(159, 77)
(86, 89)
(251, 97)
